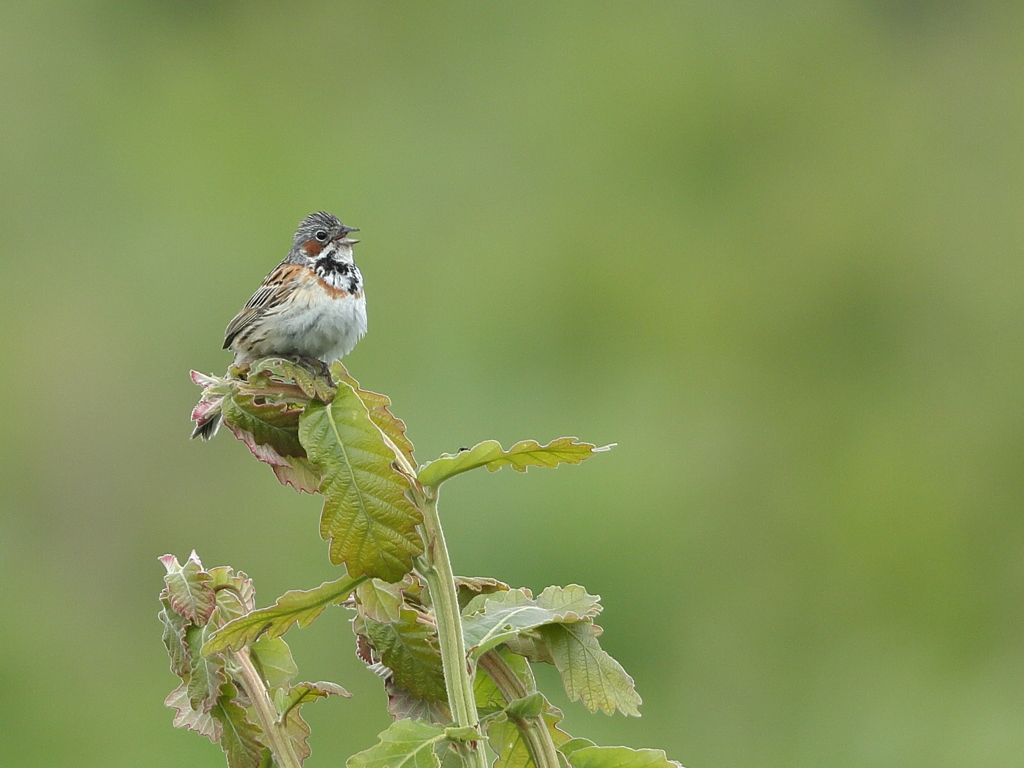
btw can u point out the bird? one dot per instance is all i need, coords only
(311, 305)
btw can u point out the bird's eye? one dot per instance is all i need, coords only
(321, 235)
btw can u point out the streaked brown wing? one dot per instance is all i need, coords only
(276, 288)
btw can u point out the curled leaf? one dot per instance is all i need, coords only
(521, 456)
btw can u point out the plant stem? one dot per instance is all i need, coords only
(277, 740)
(534, 730)
(437, 570)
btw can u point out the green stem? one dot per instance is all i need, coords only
(534, 730)
(277, 740)
(437, 570)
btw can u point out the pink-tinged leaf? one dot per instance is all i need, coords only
(204, 380)
(264, 453)
(186, 717)
(188, 588)
(206, 409)
(300, 474)
(270, 424)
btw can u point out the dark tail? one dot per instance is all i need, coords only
(207, 429)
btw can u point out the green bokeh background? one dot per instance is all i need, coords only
(773, 250)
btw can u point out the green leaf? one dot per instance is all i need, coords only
(377, 405)
(297, 606)
(405, 744)
(206, 673)
(263, 426)
(472, 586)
(620, 757)
(273, 658)
(188, 588)
(403, 705)
(573, 744)
(300, 474)
(506, 614)
(241, 737)
(367, 517)
(528, 706)
(521, 456)
(509, 742)
(588, 673)
(380, 600)
(174, 639)
(201, 722)
(304, 693)
(235, 593)
(271, 369)
(488, 695)
(571, 603)
(288, 704)
(408, 648)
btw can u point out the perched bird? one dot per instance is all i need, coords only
(311, 305)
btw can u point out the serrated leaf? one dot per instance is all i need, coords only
(571, 603)
(235, 593)
(532, 648)
(510, 743)
(263, 425)
(288, 704)
(408, 648)
(188, 588)
(588, 673)
(506, 614)
(206, 673)
(295, 607)
(403, 705)
(471, 586)
(521, 456)
(304, 693)
(620, 757)
(186, 717)
(273, 659)
(405, 744)
(289, 371)
(573, 744)
(378, 407)
(300, 474)
(241, 737)
(369, 521)
(174, 639)
(380, 600)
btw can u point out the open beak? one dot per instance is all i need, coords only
(343, 238)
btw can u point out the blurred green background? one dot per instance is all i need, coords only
(773, 250)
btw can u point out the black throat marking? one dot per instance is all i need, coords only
(338, 274)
